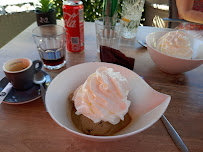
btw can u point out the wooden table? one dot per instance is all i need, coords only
(29, 128)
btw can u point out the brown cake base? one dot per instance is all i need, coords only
(101, 128)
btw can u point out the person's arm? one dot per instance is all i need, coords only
(185, 11)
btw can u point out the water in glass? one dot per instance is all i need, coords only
(131, 15)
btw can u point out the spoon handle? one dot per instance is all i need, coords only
(174, 135)
(5, 92)
(143, 43)
(43, 92)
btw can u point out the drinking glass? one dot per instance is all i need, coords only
(108, 32)
(131, 15)
(51, 44)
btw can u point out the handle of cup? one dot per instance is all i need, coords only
(37, 69)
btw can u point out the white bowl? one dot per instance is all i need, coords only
(147, 105)
(174, 65)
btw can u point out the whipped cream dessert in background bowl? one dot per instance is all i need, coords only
(175, 51)
(113, 90)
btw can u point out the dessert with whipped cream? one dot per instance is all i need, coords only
(101, 104)
(176, 44)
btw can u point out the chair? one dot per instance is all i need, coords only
(154, 12)
(12, 24)
(173, 19)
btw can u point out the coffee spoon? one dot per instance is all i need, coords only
(142, 43)
(40, 78)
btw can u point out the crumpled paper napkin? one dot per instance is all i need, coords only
(111, 55)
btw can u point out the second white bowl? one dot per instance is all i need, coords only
(174, 65)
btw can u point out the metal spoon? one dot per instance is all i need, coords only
(174, 135)
(143, 43)
(172, 132)
(40, 78)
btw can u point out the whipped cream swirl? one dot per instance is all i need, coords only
(176, 44)
(103, 96)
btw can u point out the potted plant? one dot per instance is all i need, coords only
(45, 13)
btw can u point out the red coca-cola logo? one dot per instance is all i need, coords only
(70, 19)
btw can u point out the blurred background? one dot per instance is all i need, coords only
(16, 15)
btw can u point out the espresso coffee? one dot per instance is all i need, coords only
(18, 66)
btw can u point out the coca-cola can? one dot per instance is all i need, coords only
(74, 23)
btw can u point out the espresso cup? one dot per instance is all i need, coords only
(20, 72)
